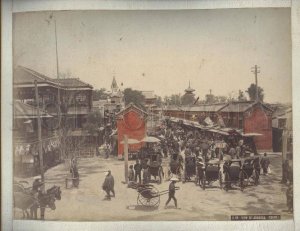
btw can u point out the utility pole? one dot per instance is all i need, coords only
(39, 134)
(256, 70)
(126, 157)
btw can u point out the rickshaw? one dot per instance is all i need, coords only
(211, 173)
(190, 169)
(235, 174)
(148, 195)
(251, 170)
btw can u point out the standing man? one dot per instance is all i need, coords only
(172, 189)
(131, 173)
(137, 168)
(36, 185)
(146, 175)
(108, 185)
(265, 163)
(285, 169)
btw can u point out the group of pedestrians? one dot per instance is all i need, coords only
(139, 174)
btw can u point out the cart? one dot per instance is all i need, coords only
(235, 174)
(251, 169)
(211, 173)
(190, 169)
(148, 195)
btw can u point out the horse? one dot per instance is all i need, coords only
(25, 200)
(46, 199)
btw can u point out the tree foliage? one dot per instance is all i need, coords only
(135, 97)
(99, 94)
(94, 122)
(188, 99)
(174, 99)
(252, 93)
(158, 101)
(241, 96)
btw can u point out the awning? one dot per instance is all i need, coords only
(131, 141)
(150, 139)
(251, 134)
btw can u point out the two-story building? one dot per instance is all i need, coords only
(66, 102)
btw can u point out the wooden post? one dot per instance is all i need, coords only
(126, 157)
(39, 134)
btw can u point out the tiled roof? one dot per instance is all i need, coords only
(243, 106)
(198, 108)
(237, 106)
(129, 107)
(23, 75)
(72, 83)
(26, 111)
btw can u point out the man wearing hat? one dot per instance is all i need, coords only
(36, 185)
(108, 185)
(172, 189)
(200, 168)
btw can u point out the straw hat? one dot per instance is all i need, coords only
(174, 179)
(37, 178)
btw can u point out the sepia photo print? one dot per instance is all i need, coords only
(166, 115)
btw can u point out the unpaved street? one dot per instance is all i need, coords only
(86, 203)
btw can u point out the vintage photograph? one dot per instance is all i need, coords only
(166, 115)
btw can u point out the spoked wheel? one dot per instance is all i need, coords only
(152, 201)
(221, 180)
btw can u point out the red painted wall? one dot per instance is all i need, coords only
(258, 121)
(132, 124)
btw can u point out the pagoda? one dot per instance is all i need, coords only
(189, 90)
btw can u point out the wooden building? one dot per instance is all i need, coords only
(248, 116)
(70, 97)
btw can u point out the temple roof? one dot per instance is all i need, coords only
(189, 89)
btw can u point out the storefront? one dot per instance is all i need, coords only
(26, 156)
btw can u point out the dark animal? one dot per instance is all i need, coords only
(25, 200)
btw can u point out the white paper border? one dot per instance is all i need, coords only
(6, 108)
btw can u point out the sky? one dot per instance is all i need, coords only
(162, 50)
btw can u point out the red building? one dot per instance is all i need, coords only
(131, 122)
(250, 117)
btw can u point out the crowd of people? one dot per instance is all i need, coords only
(180, 144)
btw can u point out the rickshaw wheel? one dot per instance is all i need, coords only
(149, 202)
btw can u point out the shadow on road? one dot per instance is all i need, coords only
(142, 208)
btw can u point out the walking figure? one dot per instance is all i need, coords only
(137, 169)
(172, 189)
(108, 185)
(265, 163)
